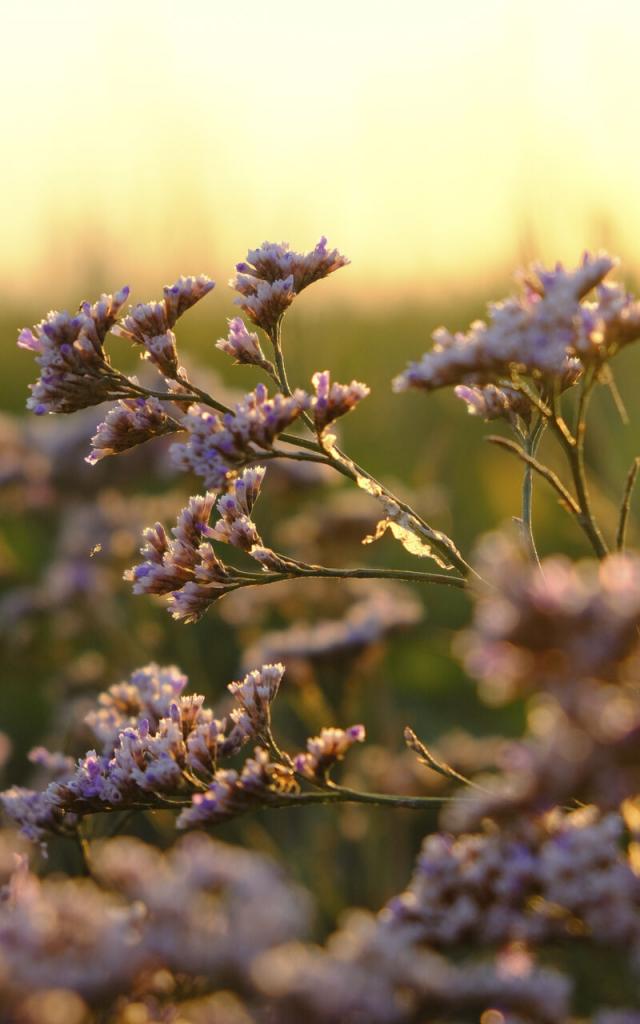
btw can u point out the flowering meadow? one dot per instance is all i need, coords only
(289, 738)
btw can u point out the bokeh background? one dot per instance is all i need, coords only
(439, 146)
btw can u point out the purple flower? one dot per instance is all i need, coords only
(243, 346)
(334, 400)
(542, 332)
(272, 275)
(74, 370)
(325, 750)
(129, 423)
(219, 444)
(150, 324)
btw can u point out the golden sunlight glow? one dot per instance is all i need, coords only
(429, 141)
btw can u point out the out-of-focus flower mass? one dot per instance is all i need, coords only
(550, 331)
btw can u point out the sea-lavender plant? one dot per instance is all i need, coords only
(538, 852)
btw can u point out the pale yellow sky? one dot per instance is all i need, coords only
(429, 141)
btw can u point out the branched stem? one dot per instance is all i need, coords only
(566, 497)
(340, 462)
(331, 795)
(574, 450)
(345, 465)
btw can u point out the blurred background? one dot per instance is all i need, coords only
(439, 147)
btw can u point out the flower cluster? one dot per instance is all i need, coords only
(568, 622)
(74, 369)
(243, 345)
(567, 637)
(154, 742)
(150, 324)
(220, 444)
(537, 845)
(271, 277)
(129, 423)
(526, 885)
(325, 750)
(185, 567)
(334, 400)
(152, 922)
(203, 909)
(549, 332)
(369, 971)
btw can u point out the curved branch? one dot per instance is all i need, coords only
(625, 506)
(566, 497)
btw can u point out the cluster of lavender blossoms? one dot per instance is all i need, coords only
(531, 871)
(160, 748)
(550, 333)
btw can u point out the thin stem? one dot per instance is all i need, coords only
(85, 851)
(282, 755)
(426, 758)
(333, 795)
(574, 450)
(518, 384)
(342, 794)
(323, 572)
(567, 499)
(277, 453)
(531, 442)
(281, 370)
(203, 396)
(163, 395)
(625, 506)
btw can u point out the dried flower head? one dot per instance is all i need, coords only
(256, 693)
(271, 277)
(334, 400)
(273, 261)
(235, 525)
(74, 369)
(230, 793)
(492, 403)
(243, 345)
(325, 750)
(150, 324)
(129, 423)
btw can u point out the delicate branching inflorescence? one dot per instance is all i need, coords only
(158, 747)
(218, 445)
(540, 848)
